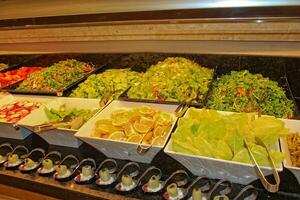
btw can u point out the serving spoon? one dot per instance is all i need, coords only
(48, 164)
(162, 184)
(14, 160)
(133, 183)
(63, 172)
(3, 158)
(31, 165)
(106, 176)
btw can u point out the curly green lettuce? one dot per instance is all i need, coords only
(241, 91)
(175, 79)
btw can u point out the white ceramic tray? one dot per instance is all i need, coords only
(7, 129)
(294, 126)
(122, 149)
(59, 136)
(217, 168)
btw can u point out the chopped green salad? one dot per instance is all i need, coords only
(211, 134)
(245, 92)
(112, 82)
(56, 77)
(175, 79)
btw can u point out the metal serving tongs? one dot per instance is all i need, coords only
(64, 172)
(48, 164)
(106, 175)
(126, 180)
(128, 185)
(7, 146)
(51, 125)
(143, 149)
(87, 173)
(183, 107)
(248, 192)
(31, 164)
(14, 159)
(267, 185)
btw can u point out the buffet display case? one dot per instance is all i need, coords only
(119, 85)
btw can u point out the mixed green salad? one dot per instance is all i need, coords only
(112, 82)
(211, 134)
(245, 92)
(56, 77)
(174, 79)
(73, 117)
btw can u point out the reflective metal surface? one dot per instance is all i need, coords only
(15, 9)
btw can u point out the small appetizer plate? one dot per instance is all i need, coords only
(87, 173)
(128, 183)
(14, 159)
(175, 192)
(3, 157)
(155, 185)
(65, 172)
(49, 162)
(29, 165)
(106, 175)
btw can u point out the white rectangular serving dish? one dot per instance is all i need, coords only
(7, 129)
(59, 136)
(217, 168)
(122, 149)
(294, 126)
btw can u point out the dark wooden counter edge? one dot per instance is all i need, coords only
(50, 187)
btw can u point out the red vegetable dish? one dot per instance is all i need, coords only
(14, 76)
(14, 112)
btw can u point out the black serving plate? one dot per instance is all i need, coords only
(16, 61)
(199, 104)
(48, 60)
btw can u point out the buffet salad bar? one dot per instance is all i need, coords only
(180, 129)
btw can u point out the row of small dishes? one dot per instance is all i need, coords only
(107, 175)
(122, 149)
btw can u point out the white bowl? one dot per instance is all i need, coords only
(217, 168)
(59, 136)
(7, 129)
(294, 126)
(122, 149)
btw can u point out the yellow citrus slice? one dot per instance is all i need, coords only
(146, 110)
(164, 119)
(147, 121)
(129, 130)
(141, 128)
(117, 135)
(120, 120)
(134, 116)
(118, 112)
(158, 141)
(136, 138)
(104, 127)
